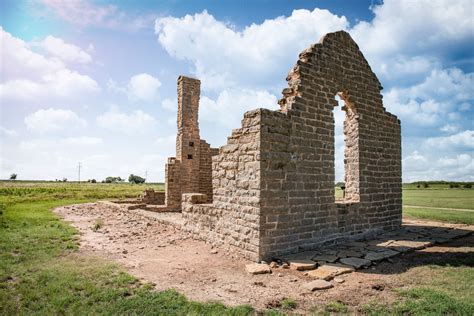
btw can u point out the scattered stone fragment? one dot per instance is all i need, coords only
(273, 264)
(124, 251)
(357, 263)
(326, 258)
(339, 280)
(317, 285)
(329, 271)
(257, 268)
(214, 251)
(380, 255)
(285, 266)
(302, 265)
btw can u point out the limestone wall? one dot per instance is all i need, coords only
(233, 217)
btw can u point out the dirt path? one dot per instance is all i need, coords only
(440, 208)
(171, 259)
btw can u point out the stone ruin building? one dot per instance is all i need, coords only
(271, 191)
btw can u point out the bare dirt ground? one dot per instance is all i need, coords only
(170, 258)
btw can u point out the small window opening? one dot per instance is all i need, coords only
(190, 156)
(191, 144)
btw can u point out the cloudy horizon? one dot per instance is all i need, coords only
(95, 82)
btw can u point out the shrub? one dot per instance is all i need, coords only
(135, 179)
(13, 176)
(98, 225)
(467, 185)
(113, 180)
(288, 303)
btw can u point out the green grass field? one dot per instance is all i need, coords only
(42, 273)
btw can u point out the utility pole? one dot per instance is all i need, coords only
(79, 171)
(146, 175)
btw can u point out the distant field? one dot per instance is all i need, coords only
(431, 197)
(29, 191)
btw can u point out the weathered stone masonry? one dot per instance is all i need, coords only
(273, 182)
(190, 170)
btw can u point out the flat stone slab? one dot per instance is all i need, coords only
(302, 264)
(356, 263)
(406, 245)
(349, 253)
(329, 271)
(257, 268)
(317, 285)
(326, 258)
(380, 255)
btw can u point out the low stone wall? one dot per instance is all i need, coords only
(150, 196)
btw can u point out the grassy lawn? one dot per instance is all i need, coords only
(439, 197)
(41, 271)
(460, 217)
(441, 289)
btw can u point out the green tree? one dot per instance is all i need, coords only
(13, 176)
(135, 179)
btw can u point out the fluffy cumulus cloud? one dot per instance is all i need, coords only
(419, 166)
(53, 120)
(412, 47)
(140, 87)
(65, 51)
(128, 123)
(223, 57)
(143, 87)
(414, 34)
(434, 101)
(228, 108)
(31, 76)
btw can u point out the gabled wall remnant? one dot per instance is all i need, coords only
(273, 182)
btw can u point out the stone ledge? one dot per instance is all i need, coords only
(194, 198)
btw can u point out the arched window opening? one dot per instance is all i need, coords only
(346, 150)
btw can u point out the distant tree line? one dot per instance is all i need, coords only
(450, 184)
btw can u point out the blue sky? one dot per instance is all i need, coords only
(95, 81)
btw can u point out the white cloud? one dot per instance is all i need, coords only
(19, 61)
(463, 139)
(223, 57)
(416, 29)
(228, 109)
(170, 104)
(47, 145)
(52, 120)
(455, 167)
(449, 128)
(5, 132)
(135, 122)
(84, 13)
(143, 87)
(166, 140)
(29, 76)
(433, 100)
(65, 51)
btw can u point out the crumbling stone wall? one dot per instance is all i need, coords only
(273, 183)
